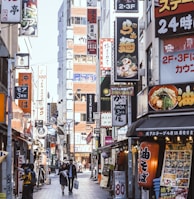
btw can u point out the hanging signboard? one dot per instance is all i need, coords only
(2, 107)
(126, 49)
(176, 171)
(21, 92)
(126, 6)
(148, 163)
(11, 11)
(119, 185)
(29, 24)
(119, 110)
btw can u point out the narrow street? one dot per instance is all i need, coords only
(88, 189)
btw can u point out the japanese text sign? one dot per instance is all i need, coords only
(177, 60)
(126, 6)
(11, 11)
(173, 17)
(126, 49)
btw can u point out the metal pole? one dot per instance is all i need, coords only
(9, 134)
(74, 127)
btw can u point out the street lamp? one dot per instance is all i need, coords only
(11, 62)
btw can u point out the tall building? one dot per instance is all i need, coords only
(76, 81)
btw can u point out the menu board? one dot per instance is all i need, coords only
(176, 172)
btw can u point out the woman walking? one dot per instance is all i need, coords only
(63, 177)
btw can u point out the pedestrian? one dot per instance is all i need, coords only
(72, 174)
(33, 178)
(26, 177)
(63, 177)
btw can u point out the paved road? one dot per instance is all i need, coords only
(88, 189)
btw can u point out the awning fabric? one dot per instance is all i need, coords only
(164, 125)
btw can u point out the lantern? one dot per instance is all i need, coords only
(148, 163)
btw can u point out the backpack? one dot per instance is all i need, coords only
(33, 178)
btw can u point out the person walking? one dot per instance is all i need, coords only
(72, 174)
(63, 177)
(33, 177)
(27, 188)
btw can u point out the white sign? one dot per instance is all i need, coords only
(119, 110)
(119, 185)
(106, 119)
(11, 11)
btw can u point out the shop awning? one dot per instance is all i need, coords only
(164, 126)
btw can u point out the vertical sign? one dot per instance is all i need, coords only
(119, 184)
(92, 31)
(25, 79)
(106, 53)
(126, 50)
(105, 94)
(90, 108)
(119, 110)
(29, 24)
(11, 11)
(2, 107)
(42, 93)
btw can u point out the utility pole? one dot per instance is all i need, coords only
(9, 133)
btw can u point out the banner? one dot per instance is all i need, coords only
(29, 24)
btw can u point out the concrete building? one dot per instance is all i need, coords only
(76, 79)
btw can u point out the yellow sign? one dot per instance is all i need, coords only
(2, 107)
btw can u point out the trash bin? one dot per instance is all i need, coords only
(2, 196)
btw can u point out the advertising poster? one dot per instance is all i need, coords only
(119, 185)
(171, 97)
(29, 23)
(176, 172)
(126, 49)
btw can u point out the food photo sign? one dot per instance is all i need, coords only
(176, 171)
(171, 97)
(126, 49)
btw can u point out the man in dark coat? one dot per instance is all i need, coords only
(63, 177)
(72, 174)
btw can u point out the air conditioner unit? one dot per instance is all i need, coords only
(142, 25)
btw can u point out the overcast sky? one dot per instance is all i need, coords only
(44, 47)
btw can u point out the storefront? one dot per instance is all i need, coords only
(113, 166)
(164, 144)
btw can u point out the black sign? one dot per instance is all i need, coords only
(21, 92)
(90, 108)
(39, 123)
(126, 5)
(175, 25)
(126, 49)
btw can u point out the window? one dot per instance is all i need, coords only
(79, 20)
(149, 64)
(149, 11)
(83, 117)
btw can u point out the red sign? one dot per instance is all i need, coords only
(148, 163)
